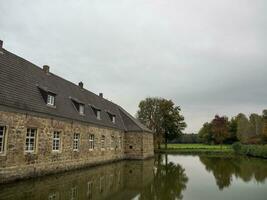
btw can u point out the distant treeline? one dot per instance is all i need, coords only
(247, 130)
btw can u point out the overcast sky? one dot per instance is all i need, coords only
(209, 57)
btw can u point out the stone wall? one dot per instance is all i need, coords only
(138, 145)
(148, 145)
(16, 164)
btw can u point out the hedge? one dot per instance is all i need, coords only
(251, 150)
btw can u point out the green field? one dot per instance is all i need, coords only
(196, 148)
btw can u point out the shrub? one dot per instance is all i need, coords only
(251, 150)
(237, 147)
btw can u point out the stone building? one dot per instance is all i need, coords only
(48, 124)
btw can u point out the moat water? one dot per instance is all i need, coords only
(162, 178)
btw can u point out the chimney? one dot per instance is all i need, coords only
(1, 44)
(46, 69)
(101, 95)
(81, 85)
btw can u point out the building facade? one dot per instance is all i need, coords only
(48, 124)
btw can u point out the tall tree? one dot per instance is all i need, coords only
(172, 121)
(264, 126)
(255, 121)
(149, 115)
(205, 133)
(163, 117)
(243, 127)
(232, 129)
(220, 129)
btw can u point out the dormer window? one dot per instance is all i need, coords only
(112, 117)
(78, 105)
(97, 112)
(81, 109)
(49, 96)
(50, 100)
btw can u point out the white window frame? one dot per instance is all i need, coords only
(81, 109)
(2, 138)
(30, 142)
(91, 142)
(50, 100)
(103, 142)
(76, 141)
(56, 141)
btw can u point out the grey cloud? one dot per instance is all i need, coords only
(208, 56)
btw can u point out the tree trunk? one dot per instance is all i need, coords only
(158, 144)
(166, 141)
(166, 160)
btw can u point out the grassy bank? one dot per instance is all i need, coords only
(251, 150)
(196, 148)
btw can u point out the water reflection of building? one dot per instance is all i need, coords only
(121, 180)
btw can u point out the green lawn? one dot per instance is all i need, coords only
(197, 148)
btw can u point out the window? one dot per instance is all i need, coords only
(47, 95)
(98, 114)
(2, 139)
(79, 106)
(101, 182)
(102, 142)
(53, 196)
(91, 141)
(50, 100)
(56, 141)
(81, 109)
(76, 138)
(112, 142)
(111, 181)
(30, 140)
(120, 143)
(113, 119)
(119, 177)
(74, 193)
(89, 190)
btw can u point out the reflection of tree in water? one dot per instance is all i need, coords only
(224, 168)
(221, 168)
(169, 181)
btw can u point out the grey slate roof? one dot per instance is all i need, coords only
(21, 82)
